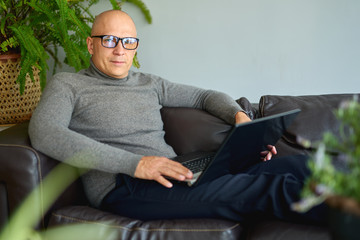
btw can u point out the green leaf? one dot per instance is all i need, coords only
(136, 61)
(11, 43)
(32, 53)
(116, 4)
(144, 9)
(3, 22)
(3, 5)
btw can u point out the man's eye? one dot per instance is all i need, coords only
(108, 39)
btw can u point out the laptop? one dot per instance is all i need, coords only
(240, 150)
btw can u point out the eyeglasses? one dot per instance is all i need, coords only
(110, 41)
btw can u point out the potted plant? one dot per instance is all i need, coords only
(335, 174)
(31, 31)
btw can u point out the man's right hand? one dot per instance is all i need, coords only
(157, 168)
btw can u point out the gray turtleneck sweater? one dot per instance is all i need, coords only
(93, 121)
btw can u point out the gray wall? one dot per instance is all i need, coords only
(252, 47)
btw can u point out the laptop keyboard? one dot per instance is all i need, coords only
(199, 164)
(195, 162)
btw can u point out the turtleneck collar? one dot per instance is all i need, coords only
(93, 71)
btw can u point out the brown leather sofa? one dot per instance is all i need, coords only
(23, 167)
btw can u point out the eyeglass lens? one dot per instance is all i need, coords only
(111, 42)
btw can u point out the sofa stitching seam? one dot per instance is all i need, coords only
(147, 230)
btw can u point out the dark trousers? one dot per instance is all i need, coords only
(266, 189)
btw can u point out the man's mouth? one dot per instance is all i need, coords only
(118, 62)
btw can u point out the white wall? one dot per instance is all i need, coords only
(252, 47)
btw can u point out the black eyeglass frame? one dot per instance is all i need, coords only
(118, 39)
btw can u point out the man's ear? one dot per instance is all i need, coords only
(90, 45)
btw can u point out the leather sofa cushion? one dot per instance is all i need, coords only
(118, 227)
(188, 130)
(270, 230)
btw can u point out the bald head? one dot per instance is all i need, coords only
(113, 61)
(110, 20)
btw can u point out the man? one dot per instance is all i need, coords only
(107, 119)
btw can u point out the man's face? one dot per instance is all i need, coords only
(114, 62)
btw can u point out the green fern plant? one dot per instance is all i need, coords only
(37, 28)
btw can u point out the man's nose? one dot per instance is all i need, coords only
(119, 49)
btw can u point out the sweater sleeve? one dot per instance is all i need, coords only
(49, 133)
(217, 103)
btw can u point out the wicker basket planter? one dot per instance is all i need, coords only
(16, 108)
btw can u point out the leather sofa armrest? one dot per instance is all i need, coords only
(251, 109)
(316, 117)
(23, 168)
(20, 168)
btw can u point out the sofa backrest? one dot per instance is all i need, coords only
(317, 116)
(188, 130)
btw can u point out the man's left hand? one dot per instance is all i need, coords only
(267, 155)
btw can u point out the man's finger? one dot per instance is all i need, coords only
(268, 156)
(272, 149)
(178, 171)
(163, 181)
